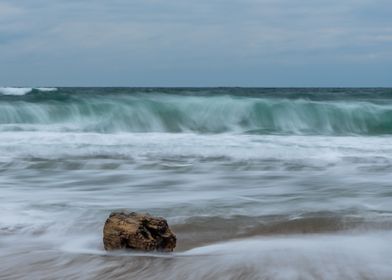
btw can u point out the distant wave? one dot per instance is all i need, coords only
(22, 90)
(46, 89)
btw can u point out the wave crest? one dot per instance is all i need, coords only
(197, 114)
(19, 91)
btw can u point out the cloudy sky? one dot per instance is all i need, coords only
(196, 42)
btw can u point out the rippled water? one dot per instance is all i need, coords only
(279, 194)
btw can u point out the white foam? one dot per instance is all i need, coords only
(344, 256)
(19, 91)
(14, 91)
(46, 89)
(365, 255)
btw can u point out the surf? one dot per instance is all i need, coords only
(78, 110)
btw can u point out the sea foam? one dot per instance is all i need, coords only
(22, 90)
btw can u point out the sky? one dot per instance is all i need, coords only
(266, 43)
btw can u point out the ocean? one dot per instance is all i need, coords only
(257, 183)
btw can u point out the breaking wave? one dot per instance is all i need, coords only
(19, 91)
(88, 111)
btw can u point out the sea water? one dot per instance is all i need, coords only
(256, 183)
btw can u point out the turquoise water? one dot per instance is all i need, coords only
(257, 183)
(263, 111)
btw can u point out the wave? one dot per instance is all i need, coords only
(320, 256)
(20, 91)
(46, 89)
(197, 114)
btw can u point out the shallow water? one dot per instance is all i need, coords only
(277, 197)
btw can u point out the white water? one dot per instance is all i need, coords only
(19, 91)
(243, 206)
(344, 256)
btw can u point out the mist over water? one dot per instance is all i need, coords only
(256, 183)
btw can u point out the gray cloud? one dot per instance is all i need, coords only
(200, 43)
